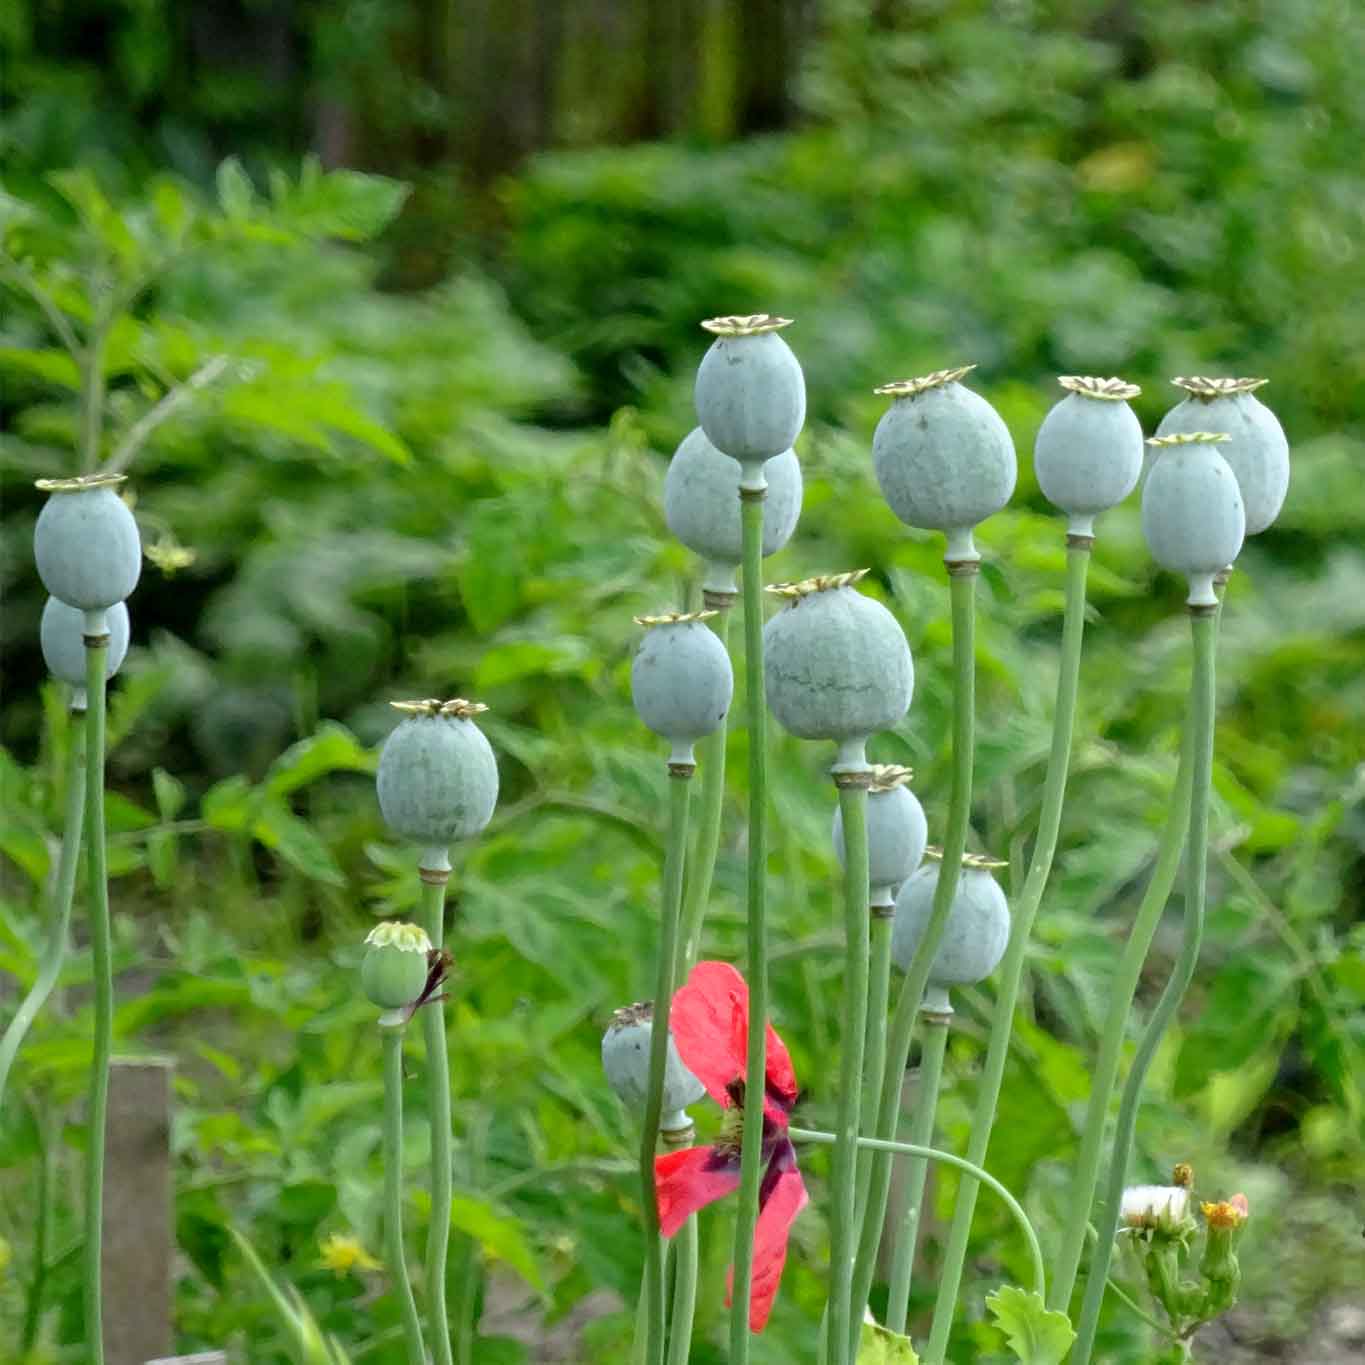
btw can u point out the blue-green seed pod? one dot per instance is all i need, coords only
(701, 505)
(1088, 453)
(976, 934)
(750, 392)
(394, 968)
(681, 681)
(625, 1059)
(1192, 512)
(837, 665)
(897, 831)
(86, 544)
(62, 633)
(1256, 450)
(943, 458)
(438, 778)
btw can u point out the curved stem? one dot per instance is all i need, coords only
(686, 1258)
(1002, 1024)
(674, 858)
(96, 652)
(711, 756)
(872, 1209)
(844, 1183)
(962, 1164)
(751, 1151)
(393, 1190)
(933, 1041)
(54, 955)
(438, 1092)
(1122, 990)
(1203, 630)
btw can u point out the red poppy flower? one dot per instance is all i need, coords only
(710, 1025)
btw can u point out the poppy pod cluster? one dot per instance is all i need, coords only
(709, 1023)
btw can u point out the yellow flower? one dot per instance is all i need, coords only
(6, 1256)
(343, 1254)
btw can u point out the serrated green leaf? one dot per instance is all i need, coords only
(879, 1346)
(332, 749)
(296, 841)
(1037, 1334)
(499, 1235)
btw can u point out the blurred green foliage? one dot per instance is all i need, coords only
(457, 491)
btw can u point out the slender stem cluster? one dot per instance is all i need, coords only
(997, 1051)
(751, 1152)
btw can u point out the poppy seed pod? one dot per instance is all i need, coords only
(701, 505)
(750, 392)
(681, 681)
(896, 829)
(625, 1059)
(394, 968)
(837, 665)
(1192, 512)
(977, 931)
(943, 458)
(1256, 449)
(437, 778)
(1088, 452)
(62, 633)
(86, 544)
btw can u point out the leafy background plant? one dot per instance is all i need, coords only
(453, 487)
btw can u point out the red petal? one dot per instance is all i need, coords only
(783, 1200)
(710, 1025)
(689, 1180)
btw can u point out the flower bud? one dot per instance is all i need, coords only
(86, 544)
(1219, 1268)
(943, 458)
(1088, 452)
(625, 1059)
(62, 633)
(750, 392)
(680, 680)
(897, 831)
(394, 968)
(837, 665)
(701, 505)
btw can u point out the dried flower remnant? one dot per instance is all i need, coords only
(1154, 1206)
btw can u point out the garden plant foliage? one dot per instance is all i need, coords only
(379, 494)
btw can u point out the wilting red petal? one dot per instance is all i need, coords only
(710, 1025)
(689, 1180)
(783, 1196)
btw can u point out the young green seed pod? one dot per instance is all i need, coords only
(701, 505)
(394, 968)
(976, 934)
(86, 544)
(62, 633)
(897, 832)
(1088, 453)
(837, 665)
(437, 778)
(681, 680)
(943, 458)
(750, 392)
(1256, 450)
(1192, 512)
(625, 1059)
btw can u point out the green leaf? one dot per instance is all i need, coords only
(235, 192)
(52, 365)
(498, 1234)
(1037, 1335)
(280, 830)
(170, 793)
(332, 749)
(880, 1346)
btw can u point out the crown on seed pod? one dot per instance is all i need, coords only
(897, 831)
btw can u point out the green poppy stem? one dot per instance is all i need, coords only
(54, 954)
(872, 1210)
(1011, 972)
(686, 1260)
(393, 1189)
(711, 755)
(96, 653)
(882, 921)
(1122, 990)
(844, 1183)
(1203, 631)
(962, 1164)
(434, 882)
(933, 1042)
(675, 855)
(751, 1151)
